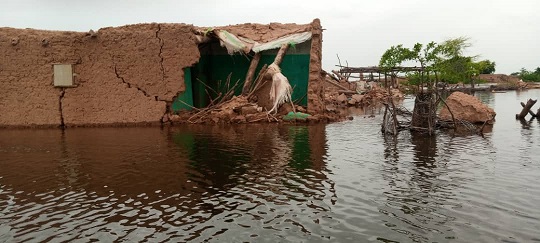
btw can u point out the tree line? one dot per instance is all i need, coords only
(528, 76)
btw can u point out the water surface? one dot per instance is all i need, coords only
(338, 182)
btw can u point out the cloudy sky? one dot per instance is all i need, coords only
(504, 31)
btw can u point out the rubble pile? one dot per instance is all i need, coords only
(240, 110)
(371, 97)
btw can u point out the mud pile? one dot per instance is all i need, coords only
(499, 78)
(466, 107)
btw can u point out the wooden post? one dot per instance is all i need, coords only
(526, 109)
(251, 73)
(281, 53)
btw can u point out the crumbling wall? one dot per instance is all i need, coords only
(263, 33)
(126, 74)
(315, 92)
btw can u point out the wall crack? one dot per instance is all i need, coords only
(164, 118)
(161, 43)
(129, 85)
(60, 99)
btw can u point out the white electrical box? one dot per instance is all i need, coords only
(63, 75)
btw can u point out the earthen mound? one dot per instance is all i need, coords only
(466, 107)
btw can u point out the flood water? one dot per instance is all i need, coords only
(341, 182)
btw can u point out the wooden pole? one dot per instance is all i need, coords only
(526, 109)
(281, 53)
(251, 73)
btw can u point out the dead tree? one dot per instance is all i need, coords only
(424, 113)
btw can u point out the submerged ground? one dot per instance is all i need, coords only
(338, 182)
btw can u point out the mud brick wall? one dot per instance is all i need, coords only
(126, 74)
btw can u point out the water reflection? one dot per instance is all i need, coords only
(177, 184)
(526, 124)
(485, 97)
(419, 189)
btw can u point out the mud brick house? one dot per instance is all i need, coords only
(140, 73)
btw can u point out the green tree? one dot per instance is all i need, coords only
(485, 67)
(529, 76)
(439, 62)
(452, 65)
(392, 58)
(428, 58)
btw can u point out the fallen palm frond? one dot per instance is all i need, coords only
(281, 90)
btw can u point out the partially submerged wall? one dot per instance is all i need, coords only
(128, 74)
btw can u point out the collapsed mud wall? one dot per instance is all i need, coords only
(127, 74)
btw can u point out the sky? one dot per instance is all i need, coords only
(359, 31)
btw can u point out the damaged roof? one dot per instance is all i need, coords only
(255, 37)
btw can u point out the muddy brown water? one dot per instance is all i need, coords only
(341, 182)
